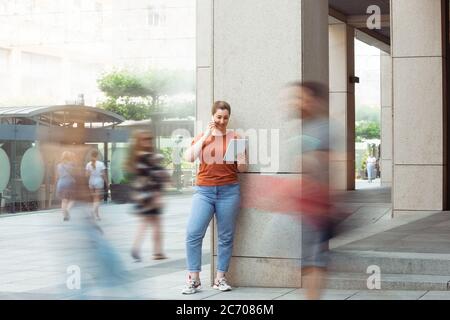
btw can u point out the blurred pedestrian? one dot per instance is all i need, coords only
(310, 99)
(371, 167)
(147, 186)
(217, 192)
(107, 265)
(65, 182)
(84, 245)
(308, 197)
(96, 171)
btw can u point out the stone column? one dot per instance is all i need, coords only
(386, 119)
(247, 52)
(342, 106)
(419, 115)
(204, 62)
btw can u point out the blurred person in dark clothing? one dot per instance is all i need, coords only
(149, 179)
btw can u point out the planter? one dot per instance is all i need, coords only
(120, 193)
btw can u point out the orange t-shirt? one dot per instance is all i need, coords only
(213, 170)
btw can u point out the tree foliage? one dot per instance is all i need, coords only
(366, 130)
(121, 84)
(127, 108)
(136, 95)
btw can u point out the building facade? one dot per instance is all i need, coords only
(51, 51)
(248, 50)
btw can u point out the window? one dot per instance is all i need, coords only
(156, 16)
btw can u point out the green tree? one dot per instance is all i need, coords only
(367, 130)
(122, 88)
(128, 108)
(364, 161)
(121, 84)
(136, 96)
(167, 153)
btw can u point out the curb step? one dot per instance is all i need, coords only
(390, 262)
(358, 281)
(398, 270)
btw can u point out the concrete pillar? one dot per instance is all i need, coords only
(386, 119)
(342, 106)
(246, 53)
(204, 61)
(419, 114)
(204, 73)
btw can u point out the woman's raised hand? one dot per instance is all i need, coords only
(210, 128)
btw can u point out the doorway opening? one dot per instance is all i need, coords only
(367, 117)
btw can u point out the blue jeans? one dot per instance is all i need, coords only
(315, 251)
(370, 172)
(224, 202)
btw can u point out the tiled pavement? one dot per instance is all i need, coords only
(36, 250)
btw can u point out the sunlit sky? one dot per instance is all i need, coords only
(367, 68)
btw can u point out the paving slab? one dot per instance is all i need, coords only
(41, 246)
(436, 295)
(388, 295)
(328, 294)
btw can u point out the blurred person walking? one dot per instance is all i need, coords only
(83, 243)
(217, 192)
(108, 268)
(371, 167)
(307, 197)
(65, 182)
(147, 187)
(96, 171)
(310, 100)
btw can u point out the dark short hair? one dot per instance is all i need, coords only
(317, 89)
(222, 105)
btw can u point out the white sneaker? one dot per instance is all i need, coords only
(222, 285)
(193, 286)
